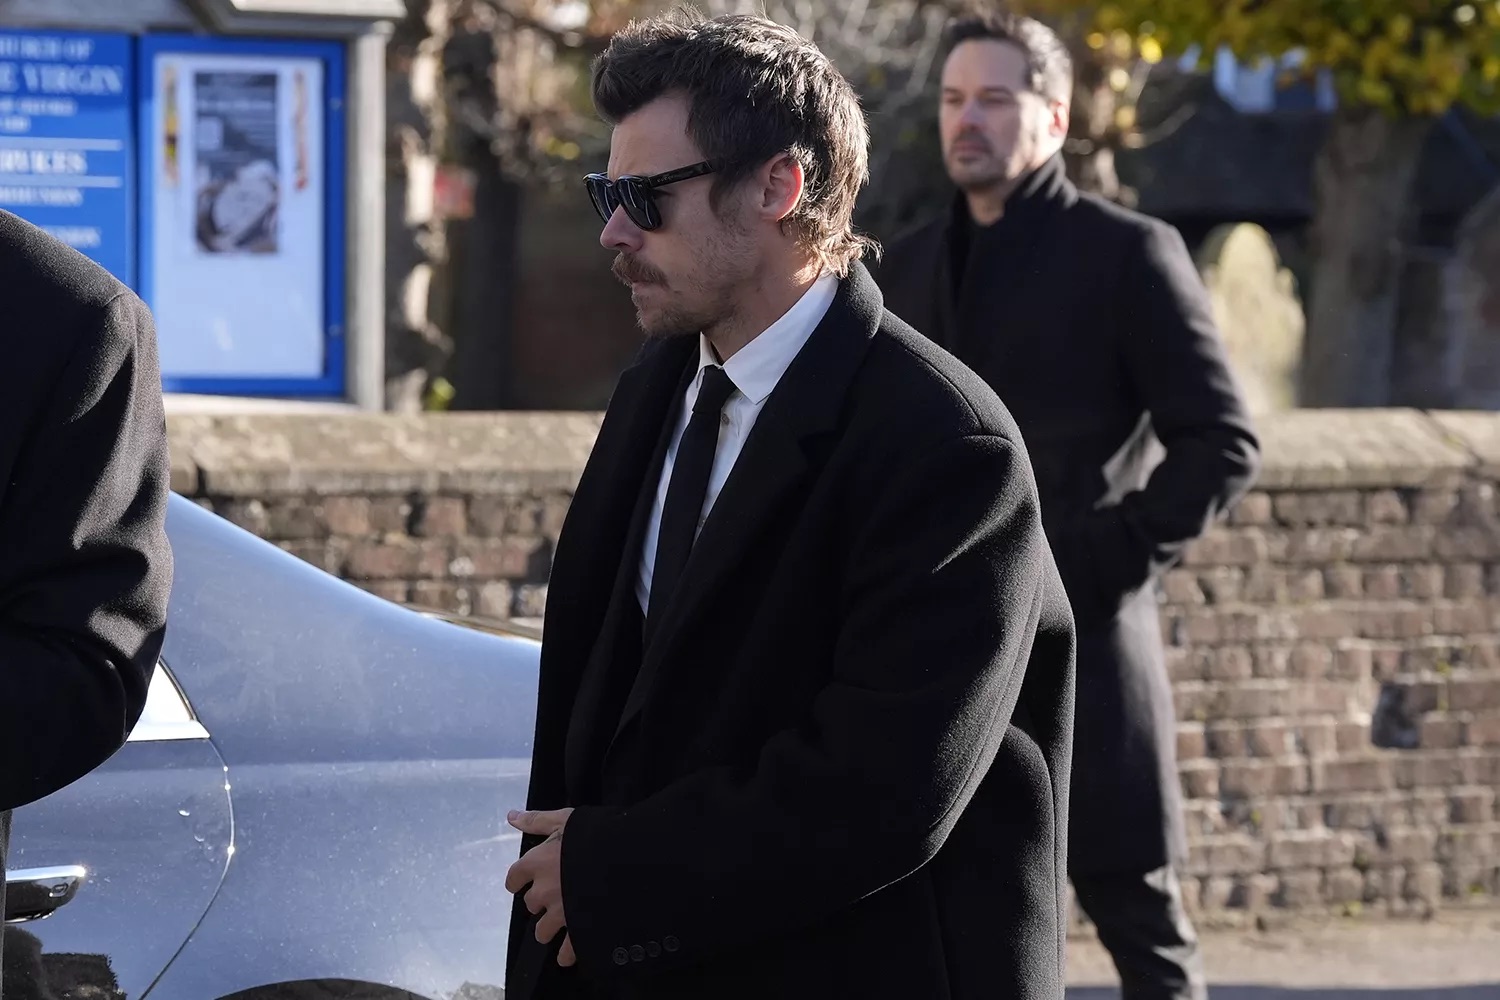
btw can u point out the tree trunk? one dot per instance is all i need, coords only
(1363, 191)
(415, 346)
(485, 248)
(1089, 154)
(485, 263)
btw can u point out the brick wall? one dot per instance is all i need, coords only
(1336, 665)
(1334, 647)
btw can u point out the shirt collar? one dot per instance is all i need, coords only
(757, 367)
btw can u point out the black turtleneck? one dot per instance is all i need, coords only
(980, 253)
(1025, 204)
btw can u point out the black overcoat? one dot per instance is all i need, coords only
(842, 767)
(85, 568)
(1092, 325)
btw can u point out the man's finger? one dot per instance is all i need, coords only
(566, 956)
(519, 875)
(550, 923)
(535, 901)
(538, 823)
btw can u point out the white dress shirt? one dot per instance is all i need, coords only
(755, 370)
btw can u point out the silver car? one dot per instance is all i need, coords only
(313, 804)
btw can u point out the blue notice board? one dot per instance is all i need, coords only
(67, 140)
(242, 165)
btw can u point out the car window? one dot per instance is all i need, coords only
(167, 715)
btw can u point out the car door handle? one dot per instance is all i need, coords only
(34, 893)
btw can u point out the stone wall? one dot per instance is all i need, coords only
(1335, 647)
(455, 511)
(1336, 665)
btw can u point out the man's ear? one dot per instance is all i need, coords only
(782, 184)
(1061, 119)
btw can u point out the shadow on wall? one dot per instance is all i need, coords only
(1480, 992)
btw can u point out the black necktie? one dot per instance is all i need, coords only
(689, 486)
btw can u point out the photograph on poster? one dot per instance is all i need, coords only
(237, 179)
(237, 215)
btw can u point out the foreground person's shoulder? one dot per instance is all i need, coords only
(39, 271)
(918, 383)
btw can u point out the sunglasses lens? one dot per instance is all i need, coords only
(638, 204)
(608, 195)
(602, 196)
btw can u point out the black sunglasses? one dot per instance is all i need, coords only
(634, 193)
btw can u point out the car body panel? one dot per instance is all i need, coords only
(368, 753)
(152, 826)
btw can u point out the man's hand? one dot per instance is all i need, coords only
(541, 868)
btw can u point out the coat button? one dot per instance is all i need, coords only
(622, 957)
(637, 953)
(670, 943)
(653, 949)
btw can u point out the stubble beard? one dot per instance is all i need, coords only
(976, 177)
(665, 323)
(668, 324)
(669, 320)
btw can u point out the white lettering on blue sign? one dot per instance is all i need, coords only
(43, 161)
(96, 81)
(56, 107)
(46, 47)
(51, 197)
(78, 237)
(66, 136)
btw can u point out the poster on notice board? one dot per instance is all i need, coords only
(237, 215)
(238, 178)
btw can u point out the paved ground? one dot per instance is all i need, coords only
(1453, 957)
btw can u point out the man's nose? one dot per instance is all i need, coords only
(971, 115)
(620, 233)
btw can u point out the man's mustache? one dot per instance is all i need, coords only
(629, 270)
(971, 138)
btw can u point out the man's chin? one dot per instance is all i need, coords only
(657, 326)
(971, 180)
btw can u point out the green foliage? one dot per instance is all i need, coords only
(1410, 57)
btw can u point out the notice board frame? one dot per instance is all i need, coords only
(332, 381)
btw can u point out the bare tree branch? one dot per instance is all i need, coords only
(1178, 118)
(581, 41)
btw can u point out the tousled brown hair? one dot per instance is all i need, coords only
(756, 89)
(1048, 64)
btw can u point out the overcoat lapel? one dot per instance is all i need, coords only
(647, 396)
(775, 461)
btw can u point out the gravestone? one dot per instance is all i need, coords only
(1255, 304)
(1472, 308)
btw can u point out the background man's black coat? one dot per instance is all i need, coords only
(815, 799)
(1092, 325)
(85, 568)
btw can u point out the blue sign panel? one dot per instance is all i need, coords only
(66, 149)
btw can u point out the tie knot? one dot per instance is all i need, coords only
(716, 389)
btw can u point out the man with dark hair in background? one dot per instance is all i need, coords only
(1093, 327)
(805, 704)
(85, 568)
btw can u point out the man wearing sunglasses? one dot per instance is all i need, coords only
(805, 707)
